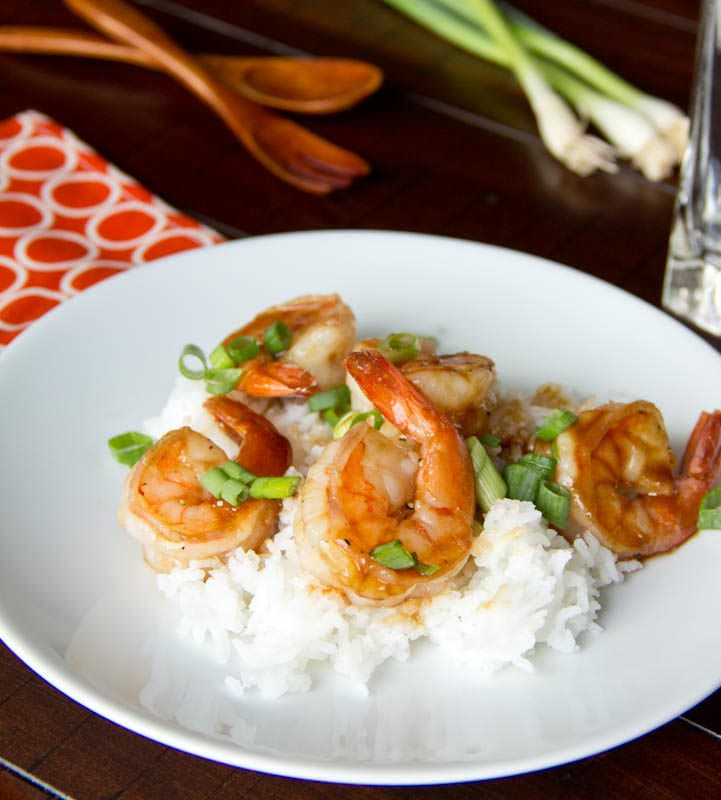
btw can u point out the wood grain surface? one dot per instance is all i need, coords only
(454, 152)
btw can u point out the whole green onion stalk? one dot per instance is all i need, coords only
(647, 130)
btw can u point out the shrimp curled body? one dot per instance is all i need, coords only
(367, 490)
(618, 465)
(176, 519)
(323, 330)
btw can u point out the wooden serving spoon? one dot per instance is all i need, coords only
(289, 151)
(303, 86)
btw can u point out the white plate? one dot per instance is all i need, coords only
(71, 581)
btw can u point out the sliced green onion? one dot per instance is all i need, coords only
(275, 488)
(556, 422)
(238, 472)
(234, 492)
(545, 465)
(709, 514)
(331, 416)
(222, 381)
(490, 440)
(490, 486)
(554, 502)
(277, 337)
(351, 418)
(393, 555)
(220, 358)
(213, 480)
(400, 347)
(425, 569)
(523, 481)
(242, 349)
(192, 350)
(128, 448)
(337, 398)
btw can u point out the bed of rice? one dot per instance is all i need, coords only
(269, 623)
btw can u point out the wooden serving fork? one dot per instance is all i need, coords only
(289, 151)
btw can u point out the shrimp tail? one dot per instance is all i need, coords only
(277, 379)
(702, 457)
(397, 399)
(263, 450)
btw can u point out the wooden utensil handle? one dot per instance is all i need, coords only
(128, 25)
(58, 41)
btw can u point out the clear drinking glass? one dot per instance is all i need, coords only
(692, 285)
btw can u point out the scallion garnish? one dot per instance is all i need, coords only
(275, 488)
(233, 483)
(192, 350)
(554, 502)
(425, 569)
(400, 347)
(545, 465)
(351, 418)
(490, 440)
(277, 337)
(220, 358)
(242, 349)
(238, 472)
(393, 555)
(128, 448)
(213, 480)
(337, 398)
(709, 513)
(556, 422)
(522, 480)
(234, 492)
(490, 486)
(221, 381)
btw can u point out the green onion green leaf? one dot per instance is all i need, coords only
(523, 481)
(556, 422)
(554, 502)
(393, 555)
(234, 492)
(277, 337)
(222, 381)
(238, 472)
(242, 349)
(490, 486)
(213, 480)
(220, 358)
(400, 347)
(351, 418)
(426, 569)
(128, 448)
(709, 514)
(192, 351)
(275, 488)
(337, 398)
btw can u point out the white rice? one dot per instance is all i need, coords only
(269, 623)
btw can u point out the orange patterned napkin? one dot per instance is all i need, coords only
(69, 219)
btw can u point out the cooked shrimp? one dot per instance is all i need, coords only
(617, 464)
(460, 385)
(176, 519)
(323, 331)
(367, 490)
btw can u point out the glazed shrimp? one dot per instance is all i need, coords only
(460, 385)
(323, 331)
(617, 464)
(177, 520)
(367, 490)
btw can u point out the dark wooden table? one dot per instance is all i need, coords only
(454, 152)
